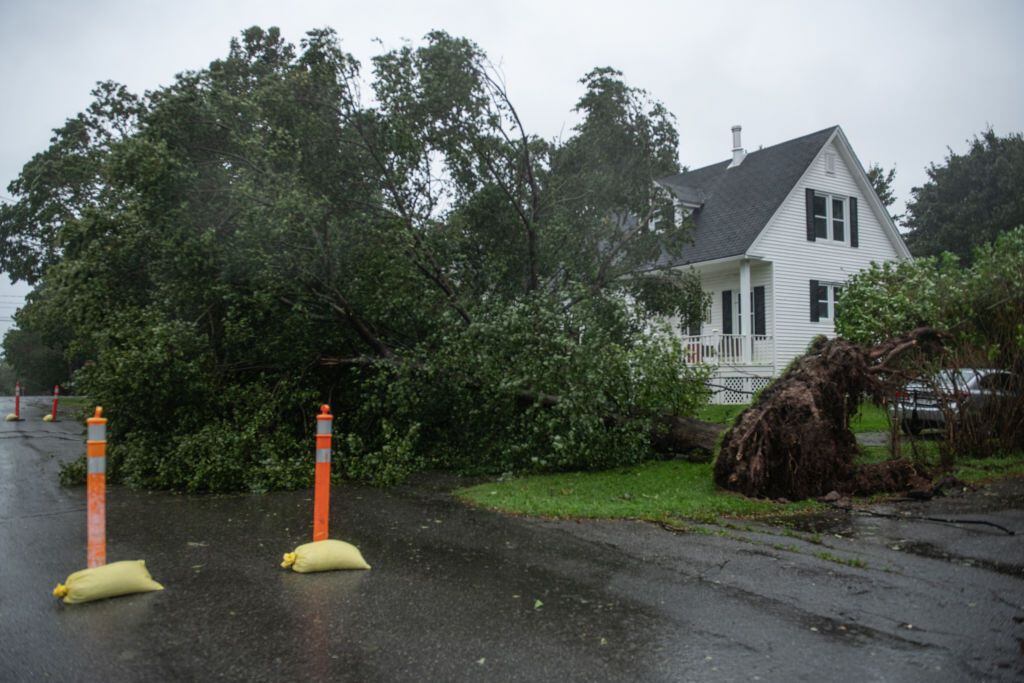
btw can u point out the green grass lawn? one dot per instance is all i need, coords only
(969, 470)
(721, 414)
(671, 490)
(974, 471)
(653, 491)
(870, 418)
(663, 491)
(75, 402)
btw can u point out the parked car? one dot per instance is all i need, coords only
(925, 404)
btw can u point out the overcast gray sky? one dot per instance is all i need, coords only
(904, 79)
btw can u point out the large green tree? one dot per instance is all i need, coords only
(260, 235)
(40, 366)
(970, 199)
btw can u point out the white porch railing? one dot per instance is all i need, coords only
(729, 349)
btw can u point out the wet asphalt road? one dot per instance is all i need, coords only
(462, 594)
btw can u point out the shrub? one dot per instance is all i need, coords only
(980, 307)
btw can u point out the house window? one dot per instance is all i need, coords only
(821, 216)
(838, 220)
(829, 217)
(824, 299)
(823, 302)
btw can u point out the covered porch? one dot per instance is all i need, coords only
(739, 325)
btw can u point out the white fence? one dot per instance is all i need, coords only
(736, 389)
(729, 349)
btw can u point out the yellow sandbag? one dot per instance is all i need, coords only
(107, 581)
(48, 417)
(323, 556)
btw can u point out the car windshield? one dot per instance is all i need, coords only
(953, 379)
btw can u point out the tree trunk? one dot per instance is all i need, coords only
(674, 435)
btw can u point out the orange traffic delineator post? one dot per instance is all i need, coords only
(52, 417)
(323, 554)
(322, 484)
(96, 490)
(16, 415)
(101, 580)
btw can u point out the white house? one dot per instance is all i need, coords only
(778, 233)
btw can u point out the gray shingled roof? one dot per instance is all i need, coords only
(738, 202)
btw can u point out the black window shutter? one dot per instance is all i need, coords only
(759, 327)
(727, 312)
(814, 301)
(853, 222)
(809, 197)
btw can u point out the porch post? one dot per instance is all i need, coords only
(745, 310)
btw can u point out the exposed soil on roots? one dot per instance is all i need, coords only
(891, 476)
(795, 441)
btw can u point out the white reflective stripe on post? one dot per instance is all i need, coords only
(323, 426)
(322, 455)
(97, 464)
(98, 432)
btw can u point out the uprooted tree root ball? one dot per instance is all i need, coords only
(795, 442)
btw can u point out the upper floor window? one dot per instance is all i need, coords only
(829, 217)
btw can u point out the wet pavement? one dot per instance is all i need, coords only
(463, 594)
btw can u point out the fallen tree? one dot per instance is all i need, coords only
(795, 442)
(677, 435)
(396, 243)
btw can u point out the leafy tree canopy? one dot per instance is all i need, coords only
(281, 228)
(980, 310)
(970, 199)
(881, 180)
(981, 306)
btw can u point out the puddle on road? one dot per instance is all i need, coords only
(931, 551)
(860, 525)
(832, 522)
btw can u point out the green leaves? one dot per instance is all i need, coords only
(220, 255)
(970, 199)
(882, 181)
(527, 388)
(981, 306)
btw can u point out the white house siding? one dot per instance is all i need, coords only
(715, 284)
(797, 260)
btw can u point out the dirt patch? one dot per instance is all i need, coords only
(890, 476)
